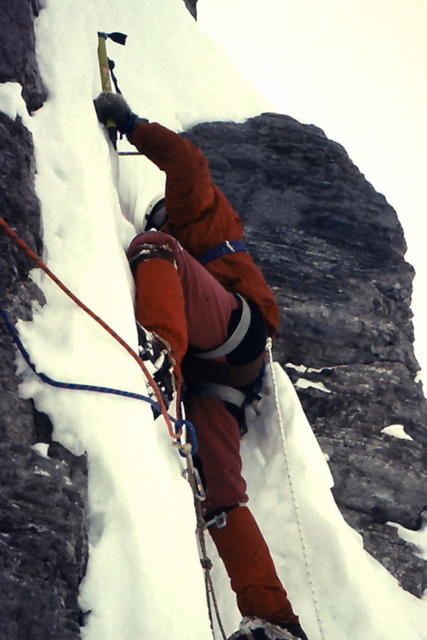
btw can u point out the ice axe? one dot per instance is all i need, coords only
(105, 69)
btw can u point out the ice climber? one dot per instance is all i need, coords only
(199, 290)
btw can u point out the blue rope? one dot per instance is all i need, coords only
(230, 246)
(89, 387)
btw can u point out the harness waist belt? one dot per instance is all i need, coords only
(227, 247)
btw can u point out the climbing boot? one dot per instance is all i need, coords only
(257, 629)
(155, 352)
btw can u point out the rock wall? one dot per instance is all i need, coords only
(333, 250)
(43, 489)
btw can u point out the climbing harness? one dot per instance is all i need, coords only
(201, 526)
(227, 247)
(294, 499)
(238, 379)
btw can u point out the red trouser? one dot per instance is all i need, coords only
(187, 306)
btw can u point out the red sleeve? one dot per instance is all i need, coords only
(189, 188)
(191, 196)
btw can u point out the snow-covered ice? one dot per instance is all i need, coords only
(303, 383)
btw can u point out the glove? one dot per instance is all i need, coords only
(112, 106)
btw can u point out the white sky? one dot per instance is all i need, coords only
(357, 69)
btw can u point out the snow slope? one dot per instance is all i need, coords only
(143, 578)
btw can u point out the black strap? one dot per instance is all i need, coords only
(111, 65)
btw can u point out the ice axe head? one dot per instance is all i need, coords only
(116, 36)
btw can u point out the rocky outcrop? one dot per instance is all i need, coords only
(17, 49)
(43, 487)
(333, 250)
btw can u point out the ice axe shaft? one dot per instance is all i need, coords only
(104, 70)
(104, 66)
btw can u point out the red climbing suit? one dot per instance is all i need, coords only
(191, 306)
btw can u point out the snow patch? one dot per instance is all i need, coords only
(417, 538)
(41, 448)
(11, 101)
(301, 368)
(303, 383)
(41, 472)
(396, 431)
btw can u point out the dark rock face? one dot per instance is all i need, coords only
(43, 537)
(17, 49)
(42, 543)
(333, 250)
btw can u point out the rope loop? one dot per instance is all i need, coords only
(182, 424)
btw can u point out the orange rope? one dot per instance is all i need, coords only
(39, 262)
